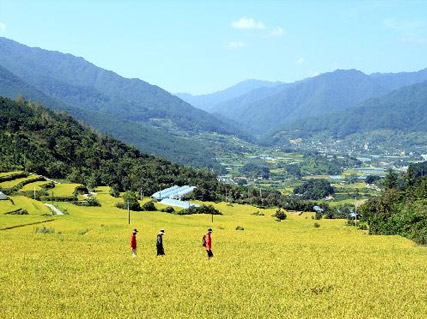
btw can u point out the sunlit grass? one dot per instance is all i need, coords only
(287, 269)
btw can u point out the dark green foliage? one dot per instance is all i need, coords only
(391, 180)
(91, 201)
(130, 200)
(168, 209)
(203, 209)
(57, 146)
(255, 169)
(319, 164)
(114, 191)
(79, 190)
(296, 203)
(416, 170)
(280, 214)
(240, 228)
(314, 189)
(149, 206)
(399, 211)
(316, 225)
(372, 179)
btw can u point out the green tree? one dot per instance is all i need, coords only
(391, 179)
(131, 199)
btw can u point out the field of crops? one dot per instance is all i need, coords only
(63, 190)
(13, 183)
(289, 269)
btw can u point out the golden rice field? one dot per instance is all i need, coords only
(15, 182)
(270, 270)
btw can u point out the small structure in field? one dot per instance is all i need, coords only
(3, 196)
(172, 196)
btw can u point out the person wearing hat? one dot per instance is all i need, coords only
(208, 243)
(133, 242)
(159, 243)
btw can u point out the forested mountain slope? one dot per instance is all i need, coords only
(139, 109)
(53, 144)
(402, 110)
(269, 109)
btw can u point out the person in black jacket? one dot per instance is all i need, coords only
(159, 243)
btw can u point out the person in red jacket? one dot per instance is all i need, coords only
(208, 243)
(133, 242)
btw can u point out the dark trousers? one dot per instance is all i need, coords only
(210, 253)
(160, 250)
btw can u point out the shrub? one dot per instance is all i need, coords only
(149, 206)
(168, 209)
(318, 215)
(91, 201)
(280, 214)
(316, 225)
(80, 190)
(240, 228)
(132, 199)
(44, 230)
(204, 209)
(114, 191)
(257, 213)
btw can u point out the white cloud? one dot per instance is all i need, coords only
(2, 27)
(277, 32)
(247, 23)
(235, 45)
(299, 61)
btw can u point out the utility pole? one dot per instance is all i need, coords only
(128, 213)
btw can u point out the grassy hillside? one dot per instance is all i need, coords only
(278, 270)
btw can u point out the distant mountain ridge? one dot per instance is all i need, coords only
(268, 109)
(208, 101)
(132, 108)
(403, 110)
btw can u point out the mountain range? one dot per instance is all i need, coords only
(403, 110)
(132, 110)
(266, 110)
(208, 102)
(195, 131)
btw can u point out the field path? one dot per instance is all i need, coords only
(54, 209)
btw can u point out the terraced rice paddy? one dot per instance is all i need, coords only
(269, 270)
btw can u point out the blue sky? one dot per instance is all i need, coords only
(204, 46)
